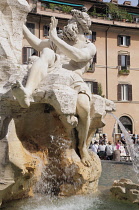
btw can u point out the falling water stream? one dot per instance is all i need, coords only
(133, 149)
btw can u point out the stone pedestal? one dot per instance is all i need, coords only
(116, 155)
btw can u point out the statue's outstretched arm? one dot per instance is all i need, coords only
(35, 42)
(78, 55)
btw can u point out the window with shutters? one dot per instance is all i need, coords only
(124, 92)
(46, 30)
(123, 40)
(93, 86)
(26, 53)
(124, 63)
(31, 27)
(92, 66)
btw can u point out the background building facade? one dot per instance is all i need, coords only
(114, 73)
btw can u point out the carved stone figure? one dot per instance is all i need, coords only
(76, 55)
(47, 119)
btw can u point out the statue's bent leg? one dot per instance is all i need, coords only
(38, 71)
(83, 111)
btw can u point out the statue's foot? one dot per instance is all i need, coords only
(21, 94)
(72, 120)
(86, 158)
(86, 161)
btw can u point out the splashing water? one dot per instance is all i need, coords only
(133, 149)
(54, 174)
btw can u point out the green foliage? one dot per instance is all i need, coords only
(66, 9)
(52, 6)
(124, 71)
(94, 13)
(99, 15)
(118, 14)
(114, 11)
(104, 15)
(129, 17)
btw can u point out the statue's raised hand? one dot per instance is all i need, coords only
(53, 31)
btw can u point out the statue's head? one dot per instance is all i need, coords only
(82, 18)
(80, 21)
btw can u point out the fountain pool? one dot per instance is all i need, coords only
(100, 201)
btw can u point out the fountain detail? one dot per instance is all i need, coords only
(132, 148)
(45, 130)
(125, 189)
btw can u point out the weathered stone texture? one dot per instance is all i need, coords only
(13, 16)
(125, 189)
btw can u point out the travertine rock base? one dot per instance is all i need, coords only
(125, 189)
(44, 154)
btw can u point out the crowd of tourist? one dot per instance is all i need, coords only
(106, 150)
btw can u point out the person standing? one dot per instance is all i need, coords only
(117, 151)
(102, 151)
(94, 147)
(109, 151)
(117, 146)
